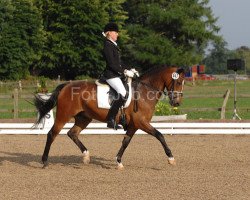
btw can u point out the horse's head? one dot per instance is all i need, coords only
(174, 82)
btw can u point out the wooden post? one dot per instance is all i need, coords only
(223, 108)
(38, 84)
(193, 81)
(20, 85)
(15, 97)
(58, 79)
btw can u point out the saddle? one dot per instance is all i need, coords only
(106, 94)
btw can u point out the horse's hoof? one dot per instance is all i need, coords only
(120, 166)
(45, 165)
(171, 161)
(86, 157)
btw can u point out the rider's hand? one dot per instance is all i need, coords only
(129, 73)
(135, 72)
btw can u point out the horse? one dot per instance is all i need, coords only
(82, 106)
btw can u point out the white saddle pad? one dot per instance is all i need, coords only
(103, 100)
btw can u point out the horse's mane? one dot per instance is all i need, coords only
(155, 69)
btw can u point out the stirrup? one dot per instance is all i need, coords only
(112, 124)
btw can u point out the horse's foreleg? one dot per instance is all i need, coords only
(80, 124)
(154, 132)
(126, 140)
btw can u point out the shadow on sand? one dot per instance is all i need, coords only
(31, 160)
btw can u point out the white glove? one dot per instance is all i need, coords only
(135, 72)
(129, 73)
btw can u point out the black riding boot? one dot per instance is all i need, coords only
(117, 103)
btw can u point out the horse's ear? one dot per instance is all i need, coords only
(180, 70)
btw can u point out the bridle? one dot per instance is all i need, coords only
(172, 94)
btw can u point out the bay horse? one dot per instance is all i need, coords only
(82, 106)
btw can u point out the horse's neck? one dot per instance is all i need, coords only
(150, 90)
(154, 81)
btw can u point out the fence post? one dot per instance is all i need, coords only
(58, 79)
(15, 97)
(223, 108)
(20, 85)
(193, 81)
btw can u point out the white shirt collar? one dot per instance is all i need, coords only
(113, 41)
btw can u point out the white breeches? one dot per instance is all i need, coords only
(117, 85)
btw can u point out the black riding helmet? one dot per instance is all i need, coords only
(111, 26)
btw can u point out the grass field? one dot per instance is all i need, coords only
(200, 100)
(209, 94)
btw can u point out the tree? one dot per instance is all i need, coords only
(74, 41)
(216, 60)
(21, 38)
(169, 32)
(243, 52)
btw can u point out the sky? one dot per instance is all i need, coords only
(234, 20)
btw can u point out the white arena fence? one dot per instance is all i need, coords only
(165, 128)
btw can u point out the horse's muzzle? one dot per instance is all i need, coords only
(175, 98)
(174, 103)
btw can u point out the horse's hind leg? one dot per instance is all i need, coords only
(54, 131)
(81, 122)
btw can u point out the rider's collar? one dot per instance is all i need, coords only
(112, 41)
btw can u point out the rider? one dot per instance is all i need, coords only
(114, 71)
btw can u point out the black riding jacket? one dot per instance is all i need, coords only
(114, 66)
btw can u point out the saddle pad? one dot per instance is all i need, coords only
(103, 100)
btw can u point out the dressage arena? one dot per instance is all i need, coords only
(208, 167)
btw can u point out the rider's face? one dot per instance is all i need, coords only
(113, 35)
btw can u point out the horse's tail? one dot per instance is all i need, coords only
(44, 106)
